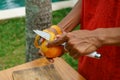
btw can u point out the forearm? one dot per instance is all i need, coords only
(72, 19)
(109, 36)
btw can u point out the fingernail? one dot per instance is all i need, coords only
(58, 36)
(55, 39)
(51, 60)
(47, 44)
(41, 40)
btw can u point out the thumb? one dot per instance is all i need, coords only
(58, 41)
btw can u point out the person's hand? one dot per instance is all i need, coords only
(41, 43)
(79, 42)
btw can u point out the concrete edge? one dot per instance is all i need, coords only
(20, 12)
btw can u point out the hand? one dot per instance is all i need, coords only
(79, 42)
(48, 52)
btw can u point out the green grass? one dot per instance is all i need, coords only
(12, 41)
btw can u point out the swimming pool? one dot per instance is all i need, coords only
(8, 4)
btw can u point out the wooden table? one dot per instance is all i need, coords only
(64, 69)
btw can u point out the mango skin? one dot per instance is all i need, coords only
(51, 52)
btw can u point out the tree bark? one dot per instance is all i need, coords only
(38, 16)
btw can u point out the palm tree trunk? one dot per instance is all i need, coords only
(38, 16)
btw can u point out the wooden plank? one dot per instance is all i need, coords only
(65, 71)
(7, 74)
(47, 72)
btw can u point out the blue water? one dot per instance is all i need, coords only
(8, 4)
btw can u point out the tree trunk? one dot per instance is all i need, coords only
(38, 16)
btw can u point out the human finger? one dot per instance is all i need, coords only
(40, 52)
(76, 56)
(85, 48)
(67, 46)
(58, 41)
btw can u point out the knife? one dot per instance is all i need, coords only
(43, 34)
(46, 36)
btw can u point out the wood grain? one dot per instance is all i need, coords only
(7, 74)
(64, 70)
(47, 72)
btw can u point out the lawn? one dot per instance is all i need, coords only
(12, 41)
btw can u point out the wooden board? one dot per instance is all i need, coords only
(7, 74)
(47, 72)
(64, 70)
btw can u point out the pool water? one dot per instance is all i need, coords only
(8, 4)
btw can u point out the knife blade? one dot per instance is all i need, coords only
(43, 34)
(46, 36)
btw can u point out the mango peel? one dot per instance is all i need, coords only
(50, 52)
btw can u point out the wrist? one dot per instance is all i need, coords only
(101, 35)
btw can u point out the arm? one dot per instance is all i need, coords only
(87, 41)
(109, 36)
(72, 19)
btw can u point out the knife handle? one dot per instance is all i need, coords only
(94, 55)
